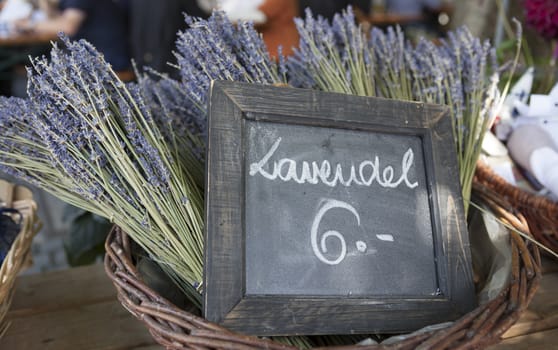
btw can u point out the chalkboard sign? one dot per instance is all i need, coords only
(331, 214)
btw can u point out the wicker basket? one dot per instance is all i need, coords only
(19, 198)
(178, 329)
(539, 211)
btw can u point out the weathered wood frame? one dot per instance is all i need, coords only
(225, 300)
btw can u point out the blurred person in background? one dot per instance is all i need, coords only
(278, 28)
(418, 18)
(153, 31)
(274, 19)
(104, 23)
(12, 11)
(48, 7)
(207, 5)
(14, 56)
(412, 8)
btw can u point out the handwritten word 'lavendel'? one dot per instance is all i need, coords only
(287, 169)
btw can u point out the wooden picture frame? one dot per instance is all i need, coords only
(424, 275)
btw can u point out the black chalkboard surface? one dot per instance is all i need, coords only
(331, 214)
(370, 220)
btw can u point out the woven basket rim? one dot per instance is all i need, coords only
(16, 259)
(540, 212)
(179, 329)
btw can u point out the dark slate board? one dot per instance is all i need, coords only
(331, 214)
(284, 216)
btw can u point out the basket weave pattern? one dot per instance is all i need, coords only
(539, 211)
(178, 329)
(18, 256)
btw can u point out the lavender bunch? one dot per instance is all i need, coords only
(92, 141)
(458, 73)
(332, 57)
(168, 100)
(390, 49)
(339, 57)
(216, 49)
(212, 49)
(21, 144)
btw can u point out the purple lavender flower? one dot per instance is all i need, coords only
(79, 111)
(337, 57)
(331, 57)
(215, 49)
(17, 139)
(170, 106)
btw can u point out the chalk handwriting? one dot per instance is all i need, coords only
(387, 238)
(366, 173)
(361, 246)
(318, 249)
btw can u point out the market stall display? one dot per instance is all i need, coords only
(134, 154)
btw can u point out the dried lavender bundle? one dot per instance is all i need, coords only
(94, 142)
(216, 49)
(167, 99)
(332, 57)
(339, 57)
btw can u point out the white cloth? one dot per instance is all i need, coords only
(544, 165)
(547, 124)
(14, 10)
(243, 10)
(207, 5)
